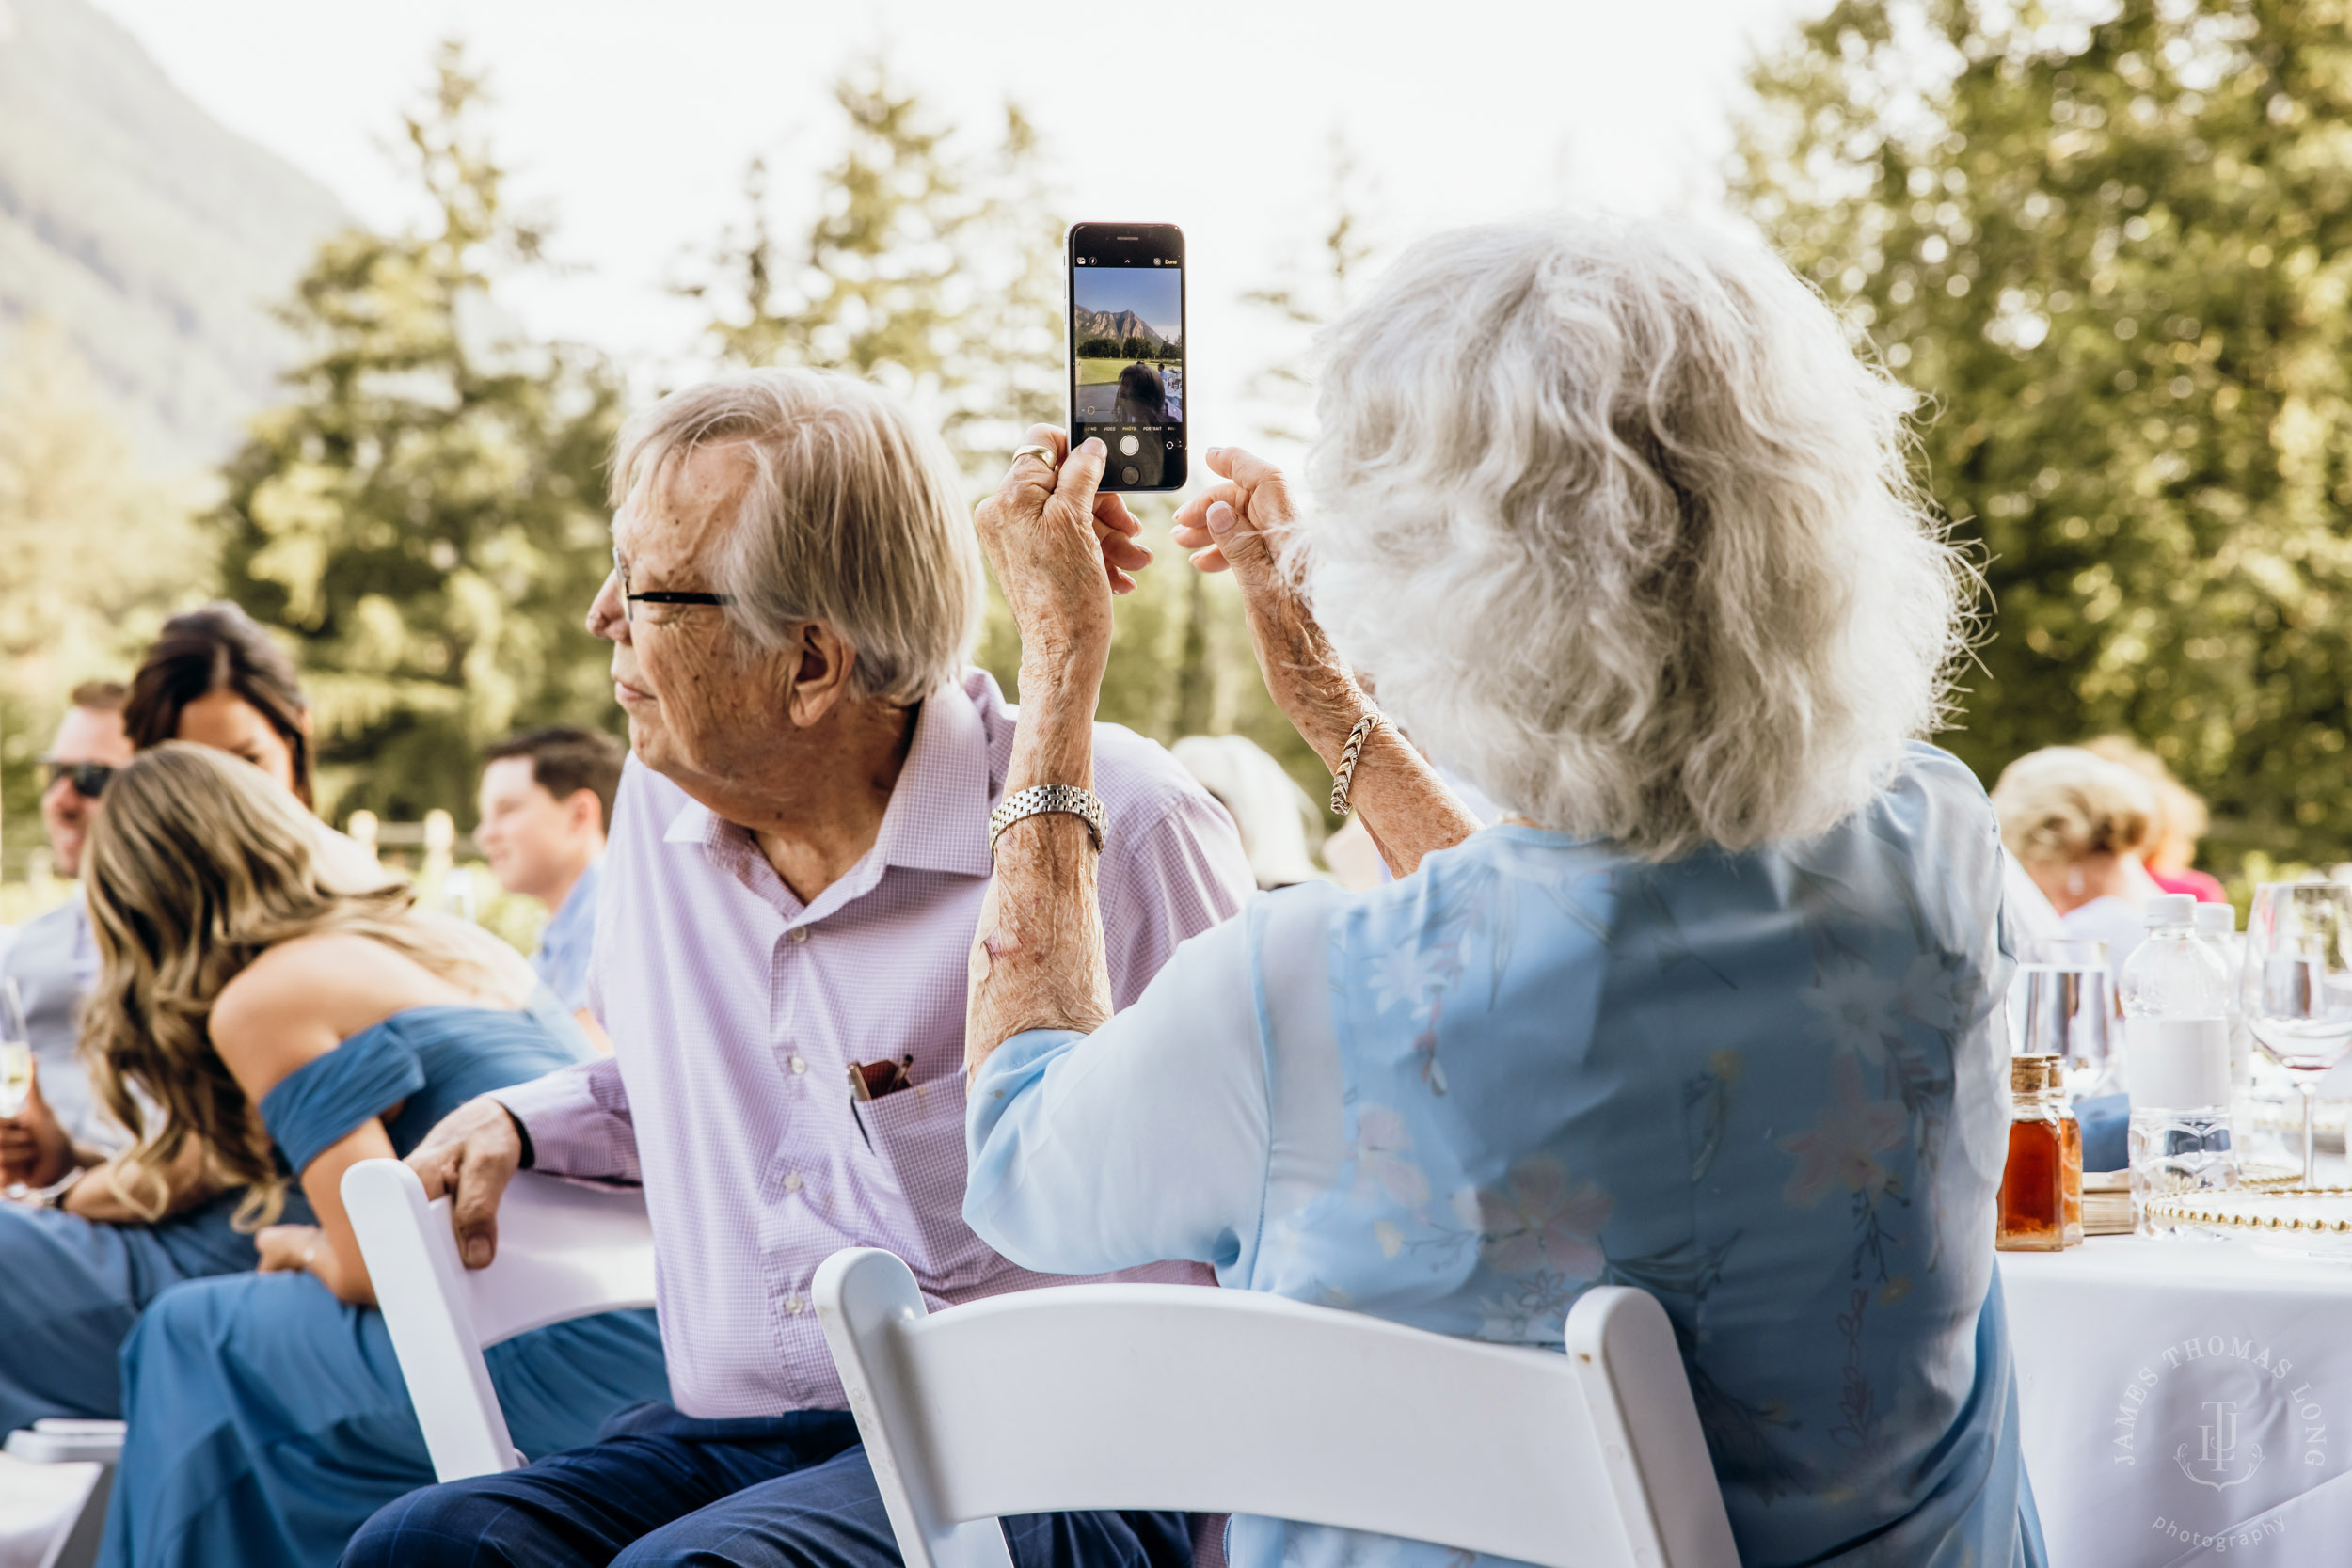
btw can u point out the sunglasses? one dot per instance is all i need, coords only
(90, 778)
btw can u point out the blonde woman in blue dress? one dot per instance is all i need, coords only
(261, 1025)
(1616, 525)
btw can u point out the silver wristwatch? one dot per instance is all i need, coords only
(1040, 798)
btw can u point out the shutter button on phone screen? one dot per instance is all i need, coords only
(1127, 445)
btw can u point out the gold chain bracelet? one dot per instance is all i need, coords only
(1344, 774)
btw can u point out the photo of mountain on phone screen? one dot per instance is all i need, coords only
(1127, 351)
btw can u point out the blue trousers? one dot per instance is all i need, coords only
(790, 1491)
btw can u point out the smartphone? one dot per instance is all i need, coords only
(1127, 350)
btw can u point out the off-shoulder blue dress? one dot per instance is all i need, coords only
(268, 1419)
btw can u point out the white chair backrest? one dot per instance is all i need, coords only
(1230, 1401)
(564, 1250)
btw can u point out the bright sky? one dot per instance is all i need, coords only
(631, 122)
(1155, 293)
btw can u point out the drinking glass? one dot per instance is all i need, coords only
(16, 1050)
(2062, 1004)
(2297, 985)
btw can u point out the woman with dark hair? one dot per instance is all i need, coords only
(214, 677)
(1142, 396)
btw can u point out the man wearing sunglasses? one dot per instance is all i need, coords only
(53, 960)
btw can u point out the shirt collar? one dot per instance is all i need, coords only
(938, 815)
(937, 820)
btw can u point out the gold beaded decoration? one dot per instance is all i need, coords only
(2193, 1211)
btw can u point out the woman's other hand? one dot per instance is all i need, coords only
(1061, 548)
(34, 1150)
(288, 1248)
(1237, 524)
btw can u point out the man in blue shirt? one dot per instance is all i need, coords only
(53, 960)
(547, 799)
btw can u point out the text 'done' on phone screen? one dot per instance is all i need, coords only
(1127, 342)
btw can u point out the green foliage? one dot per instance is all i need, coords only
(2115, 257)
(934, 270)
(95, 557)
(937, 271)
(426, 515)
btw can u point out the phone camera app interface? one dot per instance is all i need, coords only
(1127, 326)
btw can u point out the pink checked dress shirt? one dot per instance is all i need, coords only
(736, 1010)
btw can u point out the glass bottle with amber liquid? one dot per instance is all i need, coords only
(2041, 1182)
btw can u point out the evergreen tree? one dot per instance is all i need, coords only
(933, 269)
(426, 515)
(937, 269)
(2114, 253)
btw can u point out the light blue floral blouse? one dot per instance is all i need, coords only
(1770, 1088)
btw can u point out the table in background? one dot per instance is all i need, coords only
(2185, 1401)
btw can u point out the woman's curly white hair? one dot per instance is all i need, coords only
(1621, 529)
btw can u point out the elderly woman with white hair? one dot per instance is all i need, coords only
(1617, 526)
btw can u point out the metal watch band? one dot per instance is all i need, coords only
(1037, 801)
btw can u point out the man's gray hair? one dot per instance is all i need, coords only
(852, 518)
(1621, 529)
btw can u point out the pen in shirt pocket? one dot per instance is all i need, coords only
(870, 1081)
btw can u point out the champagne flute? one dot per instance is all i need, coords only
(16, 1061)
(16, 1050)
(2297, 985)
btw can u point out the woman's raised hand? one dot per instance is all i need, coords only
(1061, 548)
(1236, 525)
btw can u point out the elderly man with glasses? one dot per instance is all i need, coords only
(798, 857)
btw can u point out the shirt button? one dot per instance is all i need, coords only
(795, 1304)
(800, 933)
(799, 1064)
(792, 1181)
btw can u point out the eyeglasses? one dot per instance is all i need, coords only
(658, 595)
(90, 778)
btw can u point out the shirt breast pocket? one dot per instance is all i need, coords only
(917, 1136)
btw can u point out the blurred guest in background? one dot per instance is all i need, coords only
(53, 960)
(213, 676)
(2181, 821)
(546, 801)
(262, 1026)
(77, 1266)
(1622, 530)
(2078, 824)
(1266, 803)
(799, 854)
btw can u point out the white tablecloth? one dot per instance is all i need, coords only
(2185, 1402)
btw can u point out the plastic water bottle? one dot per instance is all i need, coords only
(2217, 923)
(2177, 992)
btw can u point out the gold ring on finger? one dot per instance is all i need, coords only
(1043, 453)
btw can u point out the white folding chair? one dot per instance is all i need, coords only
(92, 1449)
(565, 1249)
(1229, 1401)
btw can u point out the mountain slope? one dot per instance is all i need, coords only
(154, 237)
(1117, 326)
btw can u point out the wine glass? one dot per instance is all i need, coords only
(2297, 985)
